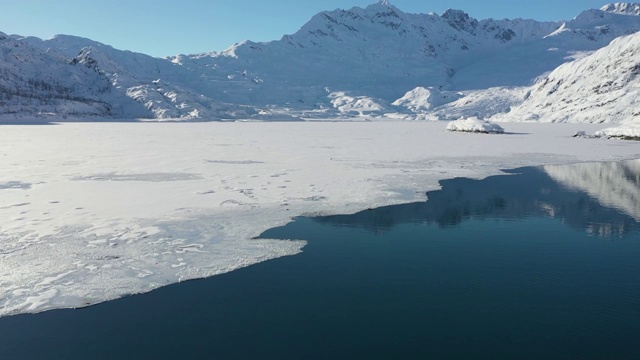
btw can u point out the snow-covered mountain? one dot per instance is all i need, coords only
(159, 88)
(46, 82)
(372, 61)
(623, 8)
(601, 88)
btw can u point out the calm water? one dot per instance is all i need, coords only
(515, 266)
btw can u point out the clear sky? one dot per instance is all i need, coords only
(170, 27)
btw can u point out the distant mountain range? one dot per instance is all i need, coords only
(376, 61)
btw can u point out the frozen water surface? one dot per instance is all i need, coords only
(92, 212)
(14, 185)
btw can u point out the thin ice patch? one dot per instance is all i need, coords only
(145, 177)
(15, 185)
(235, 162)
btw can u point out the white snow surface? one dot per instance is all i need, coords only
(349, 104)
(481, 103)
(92, 212)
(603, 87)
(368, 58)
(474, 125)
(622, 131)
(623, 8)
(422, 99)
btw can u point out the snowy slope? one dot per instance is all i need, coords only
(35, 82)
(340, 63)
(601, 88)
(421, 99)
(162, 89)
(623, 8)
(387, 53)
(481, 103)
(519, 65)
(378, 51)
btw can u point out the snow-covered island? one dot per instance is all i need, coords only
(475, 125)
(624, 132)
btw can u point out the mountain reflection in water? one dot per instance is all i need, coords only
(601, 198)
(613, 184)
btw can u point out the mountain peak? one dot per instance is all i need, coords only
(455, 14)
(460, 20)
(623, 8)
(382, 4)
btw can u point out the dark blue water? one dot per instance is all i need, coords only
(512, 266)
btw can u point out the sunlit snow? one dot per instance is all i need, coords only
(340, 63)
(475, 125)
(626, 131)
(93, 212)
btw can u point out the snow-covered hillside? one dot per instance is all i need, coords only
(520, 64)
(373, 61)
(601, 88)
(40, 82)
(623, 8)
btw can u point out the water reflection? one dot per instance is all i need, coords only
(613, 184)
(601, 198)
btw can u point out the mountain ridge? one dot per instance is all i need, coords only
(595, 89)
(341, 63)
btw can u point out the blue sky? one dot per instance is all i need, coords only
(170, 27)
